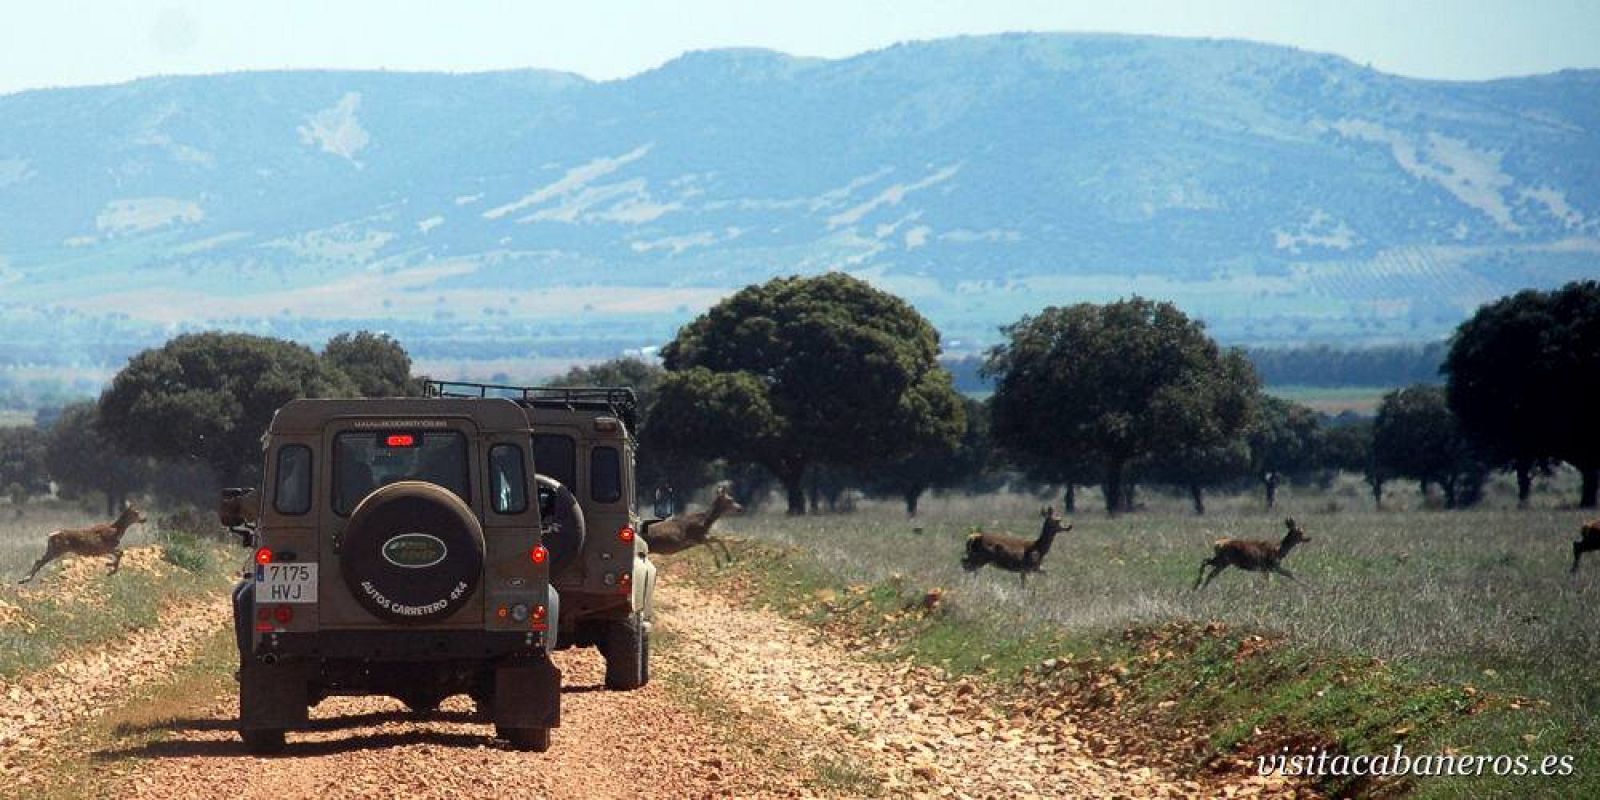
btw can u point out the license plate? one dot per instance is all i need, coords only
(286, 583)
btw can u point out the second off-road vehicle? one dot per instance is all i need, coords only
(583, 448)
(401, 551)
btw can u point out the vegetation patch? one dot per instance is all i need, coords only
(1197, 698)
(78, 605)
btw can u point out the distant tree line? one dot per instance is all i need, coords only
(184, 418)
(1310, 365)
(1322, 365)
(825, 387)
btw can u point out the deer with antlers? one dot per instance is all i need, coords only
(1252, 555)
(104, 539)
(1588, 541)
(689, 530)
(1012, 553)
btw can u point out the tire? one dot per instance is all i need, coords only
(244, 604)
(626, 650)
(563, 523)
(644, 657)
(532, 740)
(412, 553)
(263, 742)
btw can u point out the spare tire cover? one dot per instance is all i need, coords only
(413, 552)
(562, 521)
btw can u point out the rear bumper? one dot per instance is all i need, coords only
(402, 645)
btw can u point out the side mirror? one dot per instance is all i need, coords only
(238, 510)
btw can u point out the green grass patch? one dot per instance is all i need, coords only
(55, 616)
(1217, 695)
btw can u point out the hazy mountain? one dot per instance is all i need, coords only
(1281, 195)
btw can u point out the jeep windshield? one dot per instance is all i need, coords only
(364, 461)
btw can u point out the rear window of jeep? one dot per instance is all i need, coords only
(556, 456)
(364, 461)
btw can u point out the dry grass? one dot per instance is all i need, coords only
(73, 603)
(1480, 595)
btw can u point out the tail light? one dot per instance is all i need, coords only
(539, 554)
(539, 613)
(624, 583)
(626, 534)
(264, 555)
(283, 614)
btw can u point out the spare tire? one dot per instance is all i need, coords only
(562, 521)
(413, 552)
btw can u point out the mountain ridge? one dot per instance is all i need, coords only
(1281, 195)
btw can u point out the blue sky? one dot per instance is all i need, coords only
(76, 42)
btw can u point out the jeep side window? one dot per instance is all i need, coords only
(292, 495)
(556, 456)
(508, 481)
(605, 475)
(364, 461)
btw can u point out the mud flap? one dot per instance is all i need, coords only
(527, 694)
(273, 697)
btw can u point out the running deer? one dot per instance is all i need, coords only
(688, 530)
(1252, 555)
(1588, 541)
(104, 539)
(1012, 553)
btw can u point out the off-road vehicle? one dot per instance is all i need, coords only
(400, 552)
(583, 445)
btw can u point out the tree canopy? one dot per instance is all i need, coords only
(1522, 373)
(22, 459)
(808, 370)
(210, 396)
(1125, 381)
(1415, 436)
(81, 458)
(377, 364)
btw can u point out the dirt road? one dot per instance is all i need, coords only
(744, 704)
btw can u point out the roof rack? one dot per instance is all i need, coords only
(620, 401)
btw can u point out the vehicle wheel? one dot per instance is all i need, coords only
(644, 657)
(533, 740)
(262, 742)
(626, 650)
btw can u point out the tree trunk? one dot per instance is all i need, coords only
(1377, 494)
(1591, 485)
(796, 494)
(1199, 497)
(792, 476)
(911, 497)
(1112, 487)
(1069, 500)
(1449, 487)
(1524, 483)
(1128, 490)
(815, 496)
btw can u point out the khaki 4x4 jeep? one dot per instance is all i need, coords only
(583, 447)
(400, 552)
